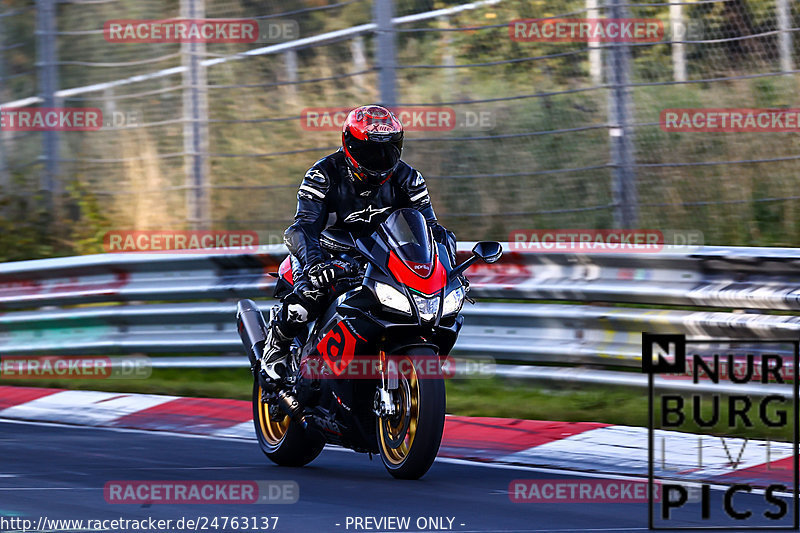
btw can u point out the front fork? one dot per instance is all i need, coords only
(385, 404)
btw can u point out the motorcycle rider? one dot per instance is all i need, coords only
(355, 189)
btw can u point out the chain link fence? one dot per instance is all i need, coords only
(527, 131)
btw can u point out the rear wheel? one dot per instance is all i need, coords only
(285, 442)
(409, 440)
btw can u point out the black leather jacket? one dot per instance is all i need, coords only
(329, 198)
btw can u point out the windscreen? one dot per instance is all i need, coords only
(409, 238)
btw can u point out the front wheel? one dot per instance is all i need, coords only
(285, 442)
(409, 440)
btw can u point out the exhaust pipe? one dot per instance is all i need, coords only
(252, 329)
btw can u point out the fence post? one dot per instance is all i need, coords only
(195, 123)
(290, 62)
(385, 53)
(785, 36)
(448, 56)
(5, 178)
(595, 52)
(620, 129)
(679, 33)
(109, 105)
(48, 84)
(359, 60)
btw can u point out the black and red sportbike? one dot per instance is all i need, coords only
(361, 376)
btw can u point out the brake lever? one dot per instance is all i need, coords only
(466, 285)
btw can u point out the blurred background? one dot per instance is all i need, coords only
(567, 135)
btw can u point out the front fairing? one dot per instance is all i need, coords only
(377, 250)
(365, 313)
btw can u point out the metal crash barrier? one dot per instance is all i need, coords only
(584, 309)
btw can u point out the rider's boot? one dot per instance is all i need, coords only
(276, 350)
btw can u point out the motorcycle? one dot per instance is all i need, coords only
(367, 373)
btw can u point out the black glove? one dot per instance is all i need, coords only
(322, 274)
(446, 237)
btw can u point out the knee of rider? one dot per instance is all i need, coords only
(295, 312)
(284, 323)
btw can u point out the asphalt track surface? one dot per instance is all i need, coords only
(59, 472)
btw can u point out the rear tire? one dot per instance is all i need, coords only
(286, 443)
(409, 442)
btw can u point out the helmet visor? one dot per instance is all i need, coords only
(374, 155)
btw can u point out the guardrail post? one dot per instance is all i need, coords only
(48, 85)
(619, 126)
(385, 53)
(195, 123)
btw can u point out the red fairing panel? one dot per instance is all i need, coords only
(430, 284)
(285, 270)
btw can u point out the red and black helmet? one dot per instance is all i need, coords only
(372, 138)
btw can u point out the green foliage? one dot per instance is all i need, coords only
(25, 229)
(30, 230)
(544, 163)
(92, 223)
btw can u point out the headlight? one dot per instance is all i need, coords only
(453, 301)
(392, 298)
(427, 307)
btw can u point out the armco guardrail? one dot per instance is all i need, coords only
(196, 296)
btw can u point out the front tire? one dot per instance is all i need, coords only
(409, 441)
(286, 443)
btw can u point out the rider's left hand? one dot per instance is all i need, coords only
(322, 274)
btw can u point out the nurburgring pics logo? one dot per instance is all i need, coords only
(729, 120)
(670, 354)
(201, 492)
(572, 240)
(412, 118)
(179, 241)
(215, 31)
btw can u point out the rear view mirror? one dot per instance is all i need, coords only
(489, 251)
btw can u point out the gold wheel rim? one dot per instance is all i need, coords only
(391, 429)
(273, 432)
